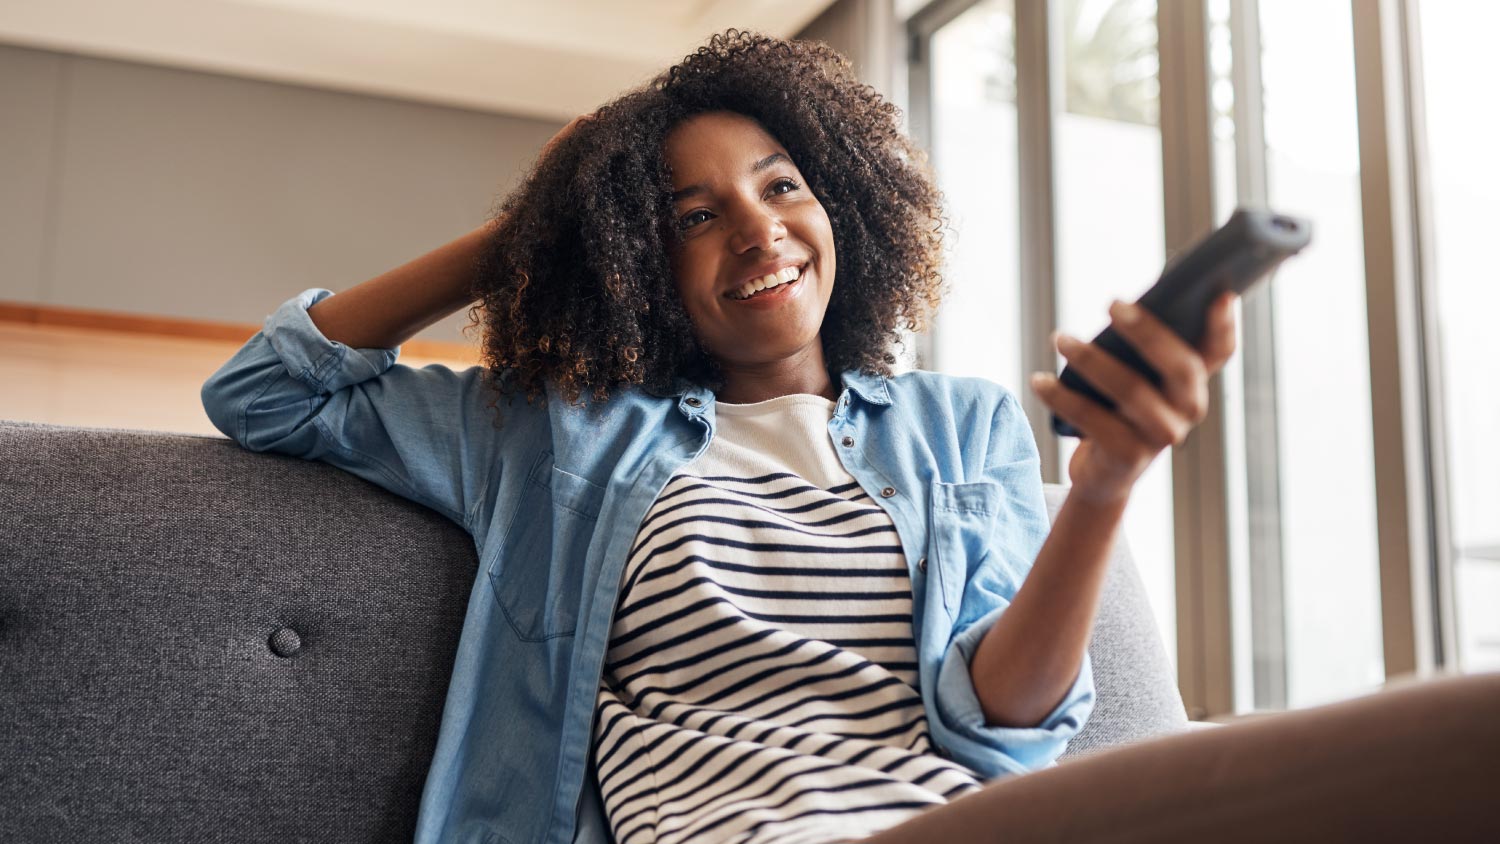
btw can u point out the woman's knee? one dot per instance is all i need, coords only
(1449, 697)
(1463, 704)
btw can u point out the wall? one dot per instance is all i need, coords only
(865, 31)
(146, 190)
(157, 192)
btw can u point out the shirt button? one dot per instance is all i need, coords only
(693, 402)
(848, 442)
(888, 492)
(922, 565)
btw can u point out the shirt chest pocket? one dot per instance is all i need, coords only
(961, 525)
(537, 573)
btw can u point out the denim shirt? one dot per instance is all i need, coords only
(554, 498)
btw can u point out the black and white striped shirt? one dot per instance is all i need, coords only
(761, 681)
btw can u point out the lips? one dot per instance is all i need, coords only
(775, 296)
(765, 269)
(765, 283)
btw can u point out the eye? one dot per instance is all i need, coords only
(788, 182)
(687, 219)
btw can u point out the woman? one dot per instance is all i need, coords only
(740, 582)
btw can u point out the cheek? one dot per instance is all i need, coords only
(686, 299)
(693, 298)
(694, 276)
(829, 252)
(823, 226)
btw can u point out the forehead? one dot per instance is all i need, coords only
(717, 140)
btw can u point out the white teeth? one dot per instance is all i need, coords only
(781, 277)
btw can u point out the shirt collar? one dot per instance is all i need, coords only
(869, 387)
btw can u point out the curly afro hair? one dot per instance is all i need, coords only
(575, 287)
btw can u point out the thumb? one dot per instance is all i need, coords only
(1218, 340)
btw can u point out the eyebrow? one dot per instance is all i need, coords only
(760, 165)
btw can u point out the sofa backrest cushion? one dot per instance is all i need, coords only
(198, 642)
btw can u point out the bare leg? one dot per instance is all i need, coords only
(1416, 761)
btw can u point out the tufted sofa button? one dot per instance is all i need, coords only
(285, 642)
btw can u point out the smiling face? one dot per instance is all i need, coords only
(743, 212)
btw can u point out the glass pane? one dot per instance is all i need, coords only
(1465, 183)
(978, 330)
(1327, 485)
(1107, 153)
(1226, 198)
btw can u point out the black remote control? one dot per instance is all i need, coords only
(1234, 257)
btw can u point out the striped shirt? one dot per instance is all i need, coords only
(760, 682)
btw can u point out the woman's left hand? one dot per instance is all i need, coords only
(1121, 443)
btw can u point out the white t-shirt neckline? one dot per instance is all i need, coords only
(774, 405)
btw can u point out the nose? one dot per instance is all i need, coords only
(755, 227)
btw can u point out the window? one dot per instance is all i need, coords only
(1281, 110)
(1109, 227)
(978, 330)
(1330, 559)
(1107, 159)
(1465, 191)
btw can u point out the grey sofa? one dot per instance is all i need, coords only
(201, 643)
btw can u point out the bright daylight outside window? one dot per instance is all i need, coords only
(1107, 154)
(1305, 569)
(1456, 43)
(1334, 646)
(978, 331)
(1319, 631)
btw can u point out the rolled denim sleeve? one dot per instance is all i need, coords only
(1020, 528)
(424, 434)
(1020, 749)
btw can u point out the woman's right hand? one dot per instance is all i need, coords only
(490, 226)
(552, 144)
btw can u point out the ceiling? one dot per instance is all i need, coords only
(550, 59)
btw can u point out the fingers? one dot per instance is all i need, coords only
(557, 139)
(1137, 399)
(1081, 412)
(1218, 343)
(1155, 417)
(1184, 370)
(1180, 366)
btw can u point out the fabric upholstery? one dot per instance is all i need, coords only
(199, 643)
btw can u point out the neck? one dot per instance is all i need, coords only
(803, 373)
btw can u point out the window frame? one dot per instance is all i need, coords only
(1417, 620)
(1411, 489)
